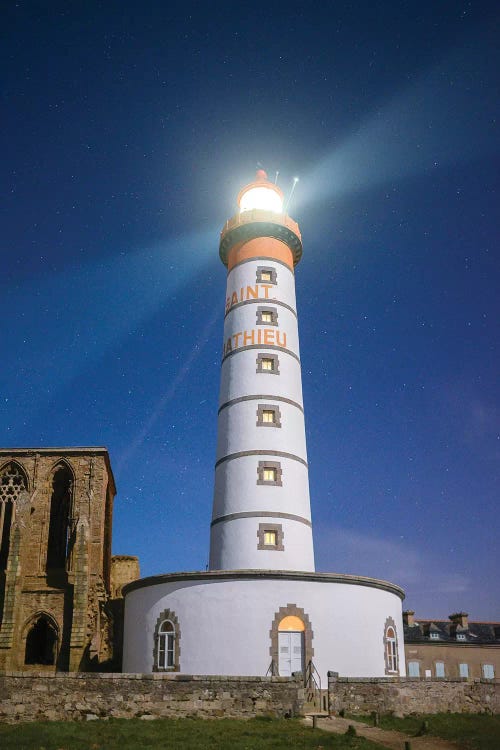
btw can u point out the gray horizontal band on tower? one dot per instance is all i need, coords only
(261, 346)
(261, 514)
(242, 454)
(261, 301)
(261, 257)
(261, 397)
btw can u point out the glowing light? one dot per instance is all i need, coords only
(264, 197)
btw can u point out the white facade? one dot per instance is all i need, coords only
(261, 322)
(225, 620)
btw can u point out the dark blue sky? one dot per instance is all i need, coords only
(128, 129)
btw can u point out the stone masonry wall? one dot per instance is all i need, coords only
(63, 696)
(403, 696)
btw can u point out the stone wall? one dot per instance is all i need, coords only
(405, 695)
(63, 696)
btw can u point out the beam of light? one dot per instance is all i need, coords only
(174, 384)
(63, 322)
(446, 118)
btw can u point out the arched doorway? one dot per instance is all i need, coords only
(41, 642)
(290, 646)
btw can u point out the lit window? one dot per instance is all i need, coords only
(269, 473)
(270, 538)
(413, 669)
(267, 317)
(268, 364)
(166, 646)
(266, 275)
(268, 416)
(488, 671)
(439, 666)
(464, 670)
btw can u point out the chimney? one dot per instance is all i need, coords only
(460, 619)
(409, 618)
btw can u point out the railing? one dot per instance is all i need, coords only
(272, 670)
(312, 683)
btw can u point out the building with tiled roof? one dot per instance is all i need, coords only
(451, 648)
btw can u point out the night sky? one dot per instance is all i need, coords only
(128, 129)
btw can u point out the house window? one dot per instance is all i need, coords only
(268, 416)
(463, 670)
(413, 669)
(269, 472)
(488, 671)
(439, 668)
(268, 364)
(166, 650)
(461, 637)
(390, 647)
(266, 275)
(267, 316)
(270, 537)
(434, 636)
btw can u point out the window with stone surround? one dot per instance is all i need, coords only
(13, 489)
(268, 364)
(266, 275)
(166, 650)
(463, 670)
(390, 647)
(270, 537)
(41, 640)
(60, 538)
(268, 415)
(269, 472)
(267, 316)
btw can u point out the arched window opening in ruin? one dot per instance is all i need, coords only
(41, 643)
(59, 527)
(13, 483)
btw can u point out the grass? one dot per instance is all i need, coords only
(173, 734)
(470, 731)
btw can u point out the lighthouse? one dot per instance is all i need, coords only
(260, 608)
(261, 510)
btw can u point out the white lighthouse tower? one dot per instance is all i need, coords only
(261, 511)
(261, 609)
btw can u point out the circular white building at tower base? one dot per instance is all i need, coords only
(258, 622)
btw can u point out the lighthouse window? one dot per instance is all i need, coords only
(269, 472)
(166, 648)
(270, 537)
(268, 363)
(390, 647)
(268, 416)
(266, 275)
(267, 316)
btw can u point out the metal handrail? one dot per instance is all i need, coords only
(272, 669)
